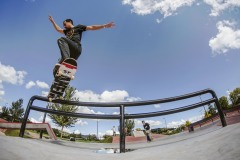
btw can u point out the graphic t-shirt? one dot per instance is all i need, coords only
(146, 126)
(75, 33)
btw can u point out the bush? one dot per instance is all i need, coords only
(107, 139)
(14, 133)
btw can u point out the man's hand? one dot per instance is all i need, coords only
(51, 19)
(109, 25)
(97, 27)
(60, 30)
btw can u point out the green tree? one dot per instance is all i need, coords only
(235, 97)
(16, 111)
(180, 128)
(5, 114)
(187, 123)
(129, 125)
(212, 109)
(64, 121)
(207, 114)
(138, 129)
(224, 102)
(92, 137)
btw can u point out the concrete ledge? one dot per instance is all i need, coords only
(32, 126)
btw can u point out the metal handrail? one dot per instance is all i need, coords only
(121, 105)
(126, 104)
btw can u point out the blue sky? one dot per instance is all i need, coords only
(157, 49)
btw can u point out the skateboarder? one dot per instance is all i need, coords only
(146, 126)
(70, 46)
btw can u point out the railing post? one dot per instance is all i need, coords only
(25, 118)
(44, 118)
(122, 130)
(220, 111)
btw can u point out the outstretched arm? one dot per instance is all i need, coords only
(97, 27)
(60, 30)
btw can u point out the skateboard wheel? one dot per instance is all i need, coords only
(50, 99)
(59, 73)
(72, 77)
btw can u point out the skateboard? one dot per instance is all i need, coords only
(63, 74)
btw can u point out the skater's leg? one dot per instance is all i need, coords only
(75, 49)
(148, 137)
(64, 48)
(65, 53)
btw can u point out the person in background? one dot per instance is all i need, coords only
(146, 126)
(114, 130)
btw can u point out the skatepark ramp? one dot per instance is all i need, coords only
(122, 105)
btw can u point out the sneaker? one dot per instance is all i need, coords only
(56, 67)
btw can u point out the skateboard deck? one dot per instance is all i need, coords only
(63, 74)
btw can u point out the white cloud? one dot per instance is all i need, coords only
(170, 7)
(77, 132)
(151, 122)
(175, 124)
(116, 113)
(1, 86)
(45, 93)
(47, 120)
(195, 119)
(38, 84)
(106, 96)
(30, 84)
(227, 38)
(165, 7)
(154, 123)
(64, 129)
(8, 74)
(158, 20)
(42, 85)
(133, 99)
(2, 92)
(83, 109)
(82, 123)
(109, 132)
(87, 96)
(34, 120)
(157, 105)
(219, 6)
(228, 92)
(114, 96)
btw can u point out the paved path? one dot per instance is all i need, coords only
(208, 143)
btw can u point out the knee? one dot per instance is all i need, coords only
(60, 40)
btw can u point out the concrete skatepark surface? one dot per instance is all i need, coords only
(208, 143)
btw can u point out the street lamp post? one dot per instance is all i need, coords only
(165, 122)
(203, 106)
(97, 129)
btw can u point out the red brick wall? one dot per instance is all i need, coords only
(2, 120)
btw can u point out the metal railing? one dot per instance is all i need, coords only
(122, 105)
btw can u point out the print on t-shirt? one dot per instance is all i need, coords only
(75, 33)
